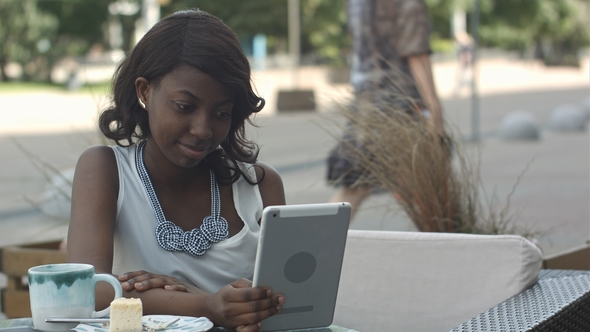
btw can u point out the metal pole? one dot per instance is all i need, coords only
(294, 38)
(475, 109)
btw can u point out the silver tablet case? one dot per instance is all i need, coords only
(300, 255)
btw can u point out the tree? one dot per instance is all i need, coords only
(25, 36)
(35, 34)
(508, 24)
(79, 20)
(244, 17)
(323, 23)
(556, 29)
(560, 30)
(440, 13)
(325, 30)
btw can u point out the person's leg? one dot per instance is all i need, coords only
(353, 195)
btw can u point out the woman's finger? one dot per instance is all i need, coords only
(160, 282)
(128, 275)
(254, 318)
(178, 288)
(242, 283)
(249, 328)
(239, 292)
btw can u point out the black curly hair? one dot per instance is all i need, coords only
(203, 41)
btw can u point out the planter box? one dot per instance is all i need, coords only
(339, 75)
(575, 259)
(15, 263)
(296, 100)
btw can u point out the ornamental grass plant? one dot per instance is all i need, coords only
(430, 174)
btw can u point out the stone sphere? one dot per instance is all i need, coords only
(520, 125)
(568, 117)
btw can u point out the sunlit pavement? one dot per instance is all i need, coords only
(551, 197)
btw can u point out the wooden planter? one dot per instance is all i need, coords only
(573, 259)
(15, 263)
(296, 100)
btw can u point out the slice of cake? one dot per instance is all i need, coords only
(126, 315)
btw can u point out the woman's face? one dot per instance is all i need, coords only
(189, 115)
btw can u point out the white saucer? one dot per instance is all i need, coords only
(184, 323)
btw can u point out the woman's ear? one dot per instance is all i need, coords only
(142, 89)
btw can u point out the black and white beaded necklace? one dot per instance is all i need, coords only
(173, 238)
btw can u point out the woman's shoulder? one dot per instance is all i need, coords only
(110, 151)
(97, 157)
(97, 165)
(263, 170)
(270, 184)
(98, 153)
(259, 170)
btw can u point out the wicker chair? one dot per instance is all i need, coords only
(558, 301)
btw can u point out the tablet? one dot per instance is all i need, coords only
(300, 253)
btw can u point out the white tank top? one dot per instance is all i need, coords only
(136, 248)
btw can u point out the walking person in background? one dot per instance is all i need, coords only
(464, 46)
(390, 44)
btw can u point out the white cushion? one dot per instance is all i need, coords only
(417, 281)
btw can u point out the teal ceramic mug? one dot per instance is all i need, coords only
(65, 291)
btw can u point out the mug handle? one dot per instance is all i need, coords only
(116, 285)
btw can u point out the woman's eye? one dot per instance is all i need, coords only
(184, 107)
(223, 114)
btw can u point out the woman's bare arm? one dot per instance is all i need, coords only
(271, 186)
(94, 208)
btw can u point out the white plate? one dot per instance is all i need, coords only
(184, 324)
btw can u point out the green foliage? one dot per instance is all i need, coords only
(439, 45)
(440, 12)
(246, 18)
(506, 24)
(561, 30)
(25, 34)
(323, 23)
(503, 36)
(80, 20)
(324, 27)
(557, 28)
(81, 25)
(18, 87)
(35, 34)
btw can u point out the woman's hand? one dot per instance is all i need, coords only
(142, 281)
(243, 307)
(237, 306)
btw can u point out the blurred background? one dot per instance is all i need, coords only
(49, 40)
(531, 67)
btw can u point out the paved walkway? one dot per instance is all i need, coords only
(57, 112)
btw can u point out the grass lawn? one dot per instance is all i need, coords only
(23, 87)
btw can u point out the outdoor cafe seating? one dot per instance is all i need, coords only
(418, 281)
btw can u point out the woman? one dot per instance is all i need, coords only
(181, 194)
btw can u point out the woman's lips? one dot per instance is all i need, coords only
(192, 151)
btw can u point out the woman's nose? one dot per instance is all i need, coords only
(201, 127)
